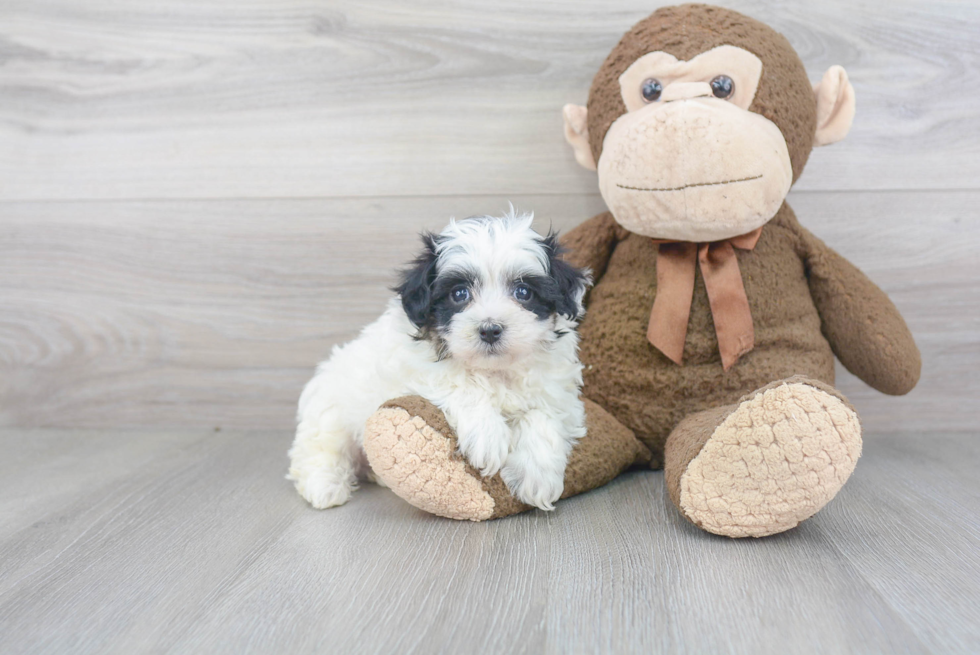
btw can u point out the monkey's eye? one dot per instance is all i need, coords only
(459, 295)
(522, 293)
(651, 90)
(722, 86)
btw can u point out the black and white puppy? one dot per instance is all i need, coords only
(484, 328)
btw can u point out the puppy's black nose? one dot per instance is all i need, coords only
(490, 332)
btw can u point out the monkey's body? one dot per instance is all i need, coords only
(649, 393)
(710, 335)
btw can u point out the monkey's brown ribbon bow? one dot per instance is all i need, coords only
(676, 264)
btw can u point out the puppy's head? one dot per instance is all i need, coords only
(489, 291)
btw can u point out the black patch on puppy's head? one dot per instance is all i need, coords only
(566, 284)
(443, 307)
(416, 281)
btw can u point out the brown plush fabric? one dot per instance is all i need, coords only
(606, 451)
(785, 95)
(861, 323)
(432, 415)
(650, 394)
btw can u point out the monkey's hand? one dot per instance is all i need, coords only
(863, 326)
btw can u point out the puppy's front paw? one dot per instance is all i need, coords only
(324, 488)
(534, 485)
(485, 447)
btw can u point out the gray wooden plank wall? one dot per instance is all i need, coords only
(198, 198)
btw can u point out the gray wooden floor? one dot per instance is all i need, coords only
(191, 542)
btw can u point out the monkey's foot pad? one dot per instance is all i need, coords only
(775, 461)
(412, 449)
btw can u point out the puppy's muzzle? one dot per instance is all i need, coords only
(490, 332)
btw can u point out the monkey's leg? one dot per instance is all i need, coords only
(412, 449)
(765, 464)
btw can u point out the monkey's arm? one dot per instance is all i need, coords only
(863, 326)
(591, 244)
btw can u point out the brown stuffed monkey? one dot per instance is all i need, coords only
(710, 333)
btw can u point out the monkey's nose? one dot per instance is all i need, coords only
(685, 91)
(490, 332)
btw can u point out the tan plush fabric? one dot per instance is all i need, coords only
(577, 134)
(835, 106)
(742, 66)
(784, 95)
(685, 443)
(768, 463)
(412, 450)
(700, 169)
(419, 463)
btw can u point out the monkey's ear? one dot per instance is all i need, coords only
(577, 134)
(835, 106)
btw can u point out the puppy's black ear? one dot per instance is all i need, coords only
(572, 282)
(415, 287)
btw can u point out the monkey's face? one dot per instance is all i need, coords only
(699, 121)
(688, 161)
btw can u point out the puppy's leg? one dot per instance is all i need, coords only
(362, 467)
(535, 470)
(483, 435)
(323, 462)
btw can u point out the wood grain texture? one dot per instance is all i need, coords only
(292, 98)
(199, 198)
(181, 543)
(213, 313)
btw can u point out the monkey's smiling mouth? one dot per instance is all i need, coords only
(690, 186)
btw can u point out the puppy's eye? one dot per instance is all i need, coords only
(522, 293)
(722, 86)
(459, 295)
(651, 90)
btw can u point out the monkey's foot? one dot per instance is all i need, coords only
(765, 464)
(412, 449)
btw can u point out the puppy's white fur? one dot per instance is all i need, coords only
(514, 404)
